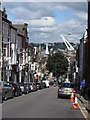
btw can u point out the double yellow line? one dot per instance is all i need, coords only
(82, 112)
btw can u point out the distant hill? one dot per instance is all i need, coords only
(55, 46)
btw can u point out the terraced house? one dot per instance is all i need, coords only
(13, 50)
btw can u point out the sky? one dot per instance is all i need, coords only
(47, 21)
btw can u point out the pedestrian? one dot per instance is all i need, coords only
(59, 83)
(82, 88)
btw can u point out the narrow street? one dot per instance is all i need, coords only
(44, 44)
(41, 104)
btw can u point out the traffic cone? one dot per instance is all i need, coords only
(75, 104)
(72, 96)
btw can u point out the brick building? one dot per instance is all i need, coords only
(22, 48)
(13, 50)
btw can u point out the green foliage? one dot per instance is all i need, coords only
(59, 46)
(4, 12)
(57, 64)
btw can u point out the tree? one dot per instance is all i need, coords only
(4, 12)
(57, 64)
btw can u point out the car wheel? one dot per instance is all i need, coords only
(5, 96)
(58, 96)
(16, 94)
(20, 93)
(25, 92)
(12, 94)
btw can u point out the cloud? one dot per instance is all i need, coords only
(44, 21)
(45, 1)
(82, 16)
(44, 29)
(54, 36)
(77, 6)
(42, 24)
(37, 10)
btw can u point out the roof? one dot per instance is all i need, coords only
(5, 19)
(13, 27)
(19, 27)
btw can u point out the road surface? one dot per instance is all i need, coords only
(40, 104)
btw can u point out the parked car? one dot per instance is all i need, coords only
(23, 88)
(54, 85)
(65, 89)
(41, 85)
(38, 86)
(33, 87)
(46, 82)
(27, 87)
(51, 82)
(16, 89)
(6, 90)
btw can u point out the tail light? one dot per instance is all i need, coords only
(13, 88)
(0, 89)
(27, 85)
(74, 91)
(59, 90)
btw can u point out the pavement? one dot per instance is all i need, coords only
(86, 103)
(40, 104)
(0, 111)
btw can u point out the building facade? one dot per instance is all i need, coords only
(88, 49)
(13, 51)
(81, 59)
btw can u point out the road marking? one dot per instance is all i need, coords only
(83, 108)
(85, 111)
(82, 112)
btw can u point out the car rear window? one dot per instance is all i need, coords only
(67, 85)
(0, 84)
(25, 83)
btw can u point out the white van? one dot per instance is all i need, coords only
(46, 82)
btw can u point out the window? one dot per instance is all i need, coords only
(5, 50)
(66, 85)
(0, 84)
(12, 36)
(9, 85)
(5, 85)
(5, 29)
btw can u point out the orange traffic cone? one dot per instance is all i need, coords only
(75, 104)
(72, 96)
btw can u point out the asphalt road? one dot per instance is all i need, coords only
(40, 104)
